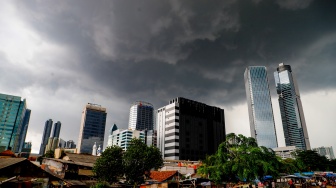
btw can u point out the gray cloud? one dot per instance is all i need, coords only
(122, 51)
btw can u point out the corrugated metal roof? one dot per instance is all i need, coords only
(5, 162)
(82, 158)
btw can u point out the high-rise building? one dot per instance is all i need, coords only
(189, 130)
(325, 151)
(92, 127)
(123, 137)
(45, 136)
(293, 120)
(12, 112)
(141, 116)
(56, 130)
(259, 104)
(23, 132)
(70, 144)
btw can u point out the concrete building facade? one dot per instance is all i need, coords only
(189, 130)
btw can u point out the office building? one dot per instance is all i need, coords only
(12, 112)
(259, 104)
(24, 130)
(92, 127)
(123, 137)
(54, 143)
(285, 152)
(325, 151)
(57, 129)
(70, 144)
(45, 136)
(189, 130)
(141, 116)
(150, 137)
(293, 120)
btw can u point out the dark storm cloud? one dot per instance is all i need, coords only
(155, 50)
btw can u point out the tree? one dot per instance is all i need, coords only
(108, 167)
(240, 156)
(49, 154)
(289, 166)
(311, 160)
(139, 159)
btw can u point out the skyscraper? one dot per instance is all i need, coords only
(56, 130)
(24, 129)
(325, 151)
(141, 116)
(293, 120)
(189, 130)
(45, 136)
(12, 112)
(92, 127)
(259, 104)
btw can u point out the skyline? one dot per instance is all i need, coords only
(62, 56)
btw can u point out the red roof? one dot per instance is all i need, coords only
(162, 175)
(7, 153)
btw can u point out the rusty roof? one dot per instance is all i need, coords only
(162, 175)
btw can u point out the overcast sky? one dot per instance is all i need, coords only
(62, 55)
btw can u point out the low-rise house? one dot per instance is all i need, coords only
(71, 167)
(15, 172)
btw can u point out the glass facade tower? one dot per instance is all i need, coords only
(56, 130)
(293, 120)
(92, 128)
(141, 116)
(45, 136)
(12, 112)
(24, 129)
(259, 104)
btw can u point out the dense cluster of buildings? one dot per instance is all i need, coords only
(183, 129)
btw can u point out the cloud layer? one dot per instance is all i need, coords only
(62, 55)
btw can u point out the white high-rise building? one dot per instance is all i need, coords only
(122, 138)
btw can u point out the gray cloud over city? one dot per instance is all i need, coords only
(62, 55)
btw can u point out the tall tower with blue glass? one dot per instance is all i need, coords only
(293, 120)
(45, 136)
(12, 112)
(259, 104)
(92, 129)
(24, 130)
(56, 130)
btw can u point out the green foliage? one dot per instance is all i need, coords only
(289, 166)
(108, 167)
(48, 154)
(240, 156)
(139, 159)
(311, 161)
(101, 185)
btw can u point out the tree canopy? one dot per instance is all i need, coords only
(240, 156)
(109, 166)
(310, 160)
(135, 163)
(139, 159)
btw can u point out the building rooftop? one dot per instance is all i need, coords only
(162, 175)
(5, 162)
